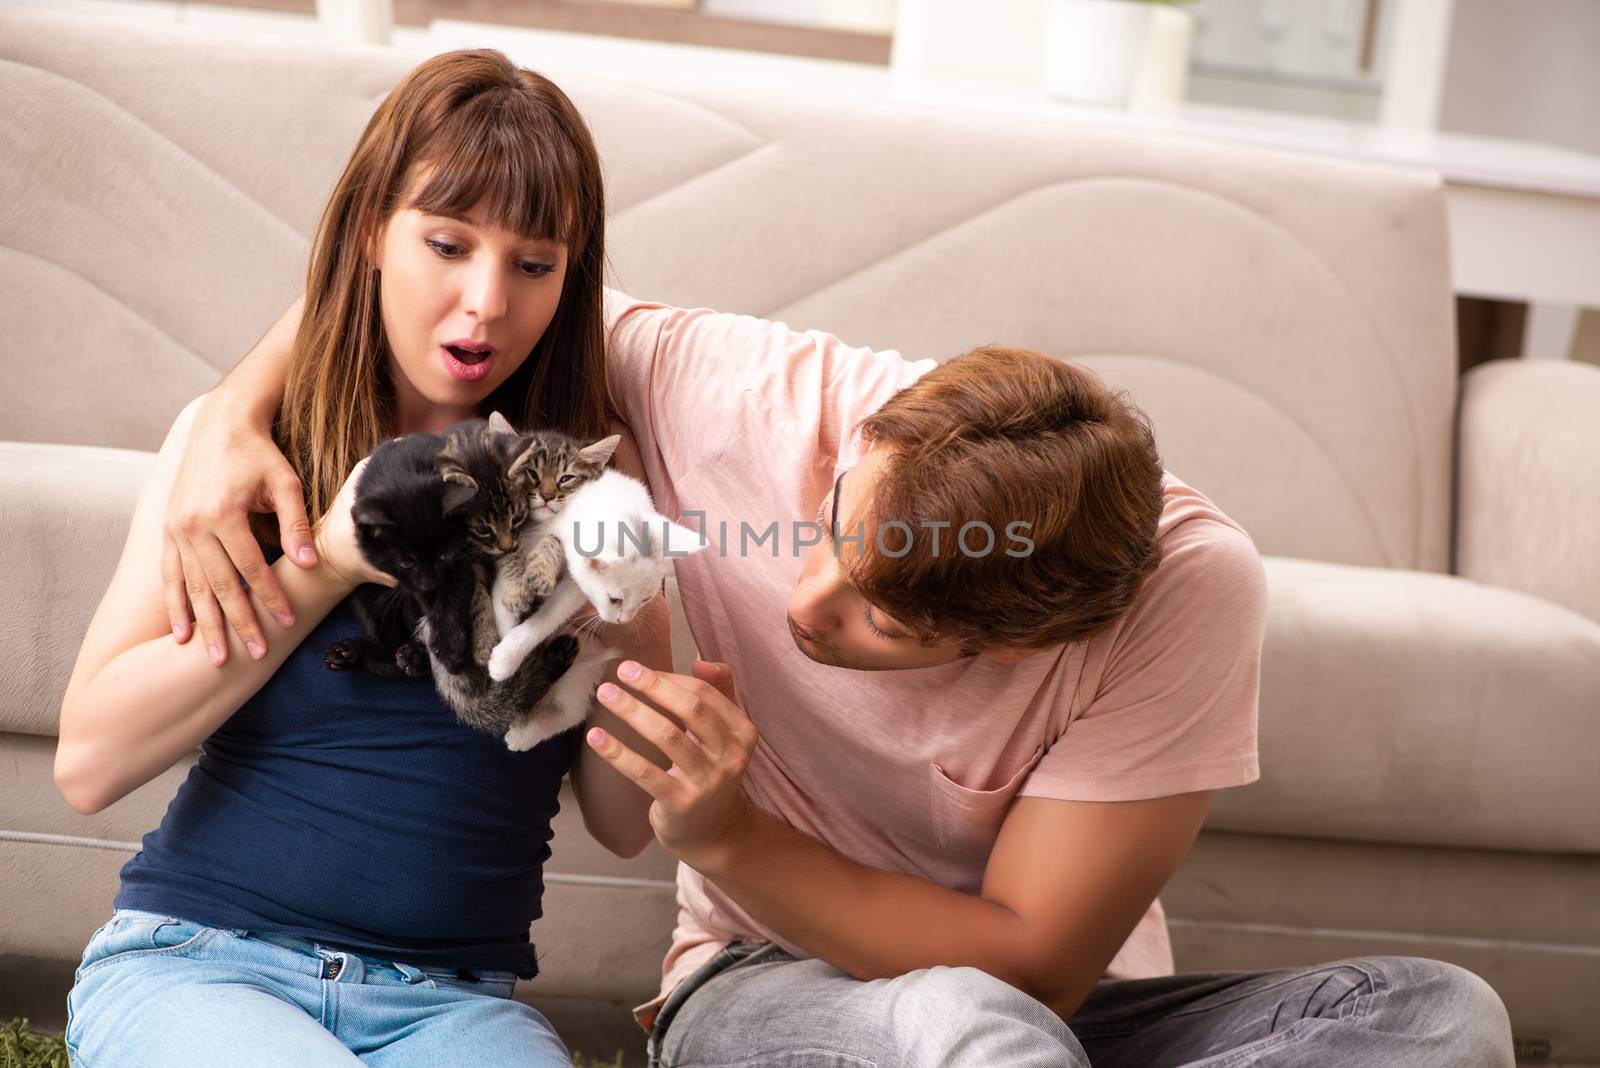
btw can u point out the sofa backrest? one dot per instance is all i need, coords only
(1285, 321)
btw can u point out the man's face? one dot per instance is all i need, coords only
(830, 622)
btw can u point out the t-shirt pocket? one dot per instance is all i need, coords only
(966, 822)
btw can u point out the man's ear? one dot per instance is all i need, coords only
(1008, 655)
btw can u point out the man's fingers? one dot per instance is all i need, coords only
(655, 728)
(207, 613)
(294, 530)
(703, 710)
(244, 552)
(651, 779)
(172, 590)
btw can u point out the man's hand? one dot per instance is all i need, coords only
(699, 802)
(231, 467)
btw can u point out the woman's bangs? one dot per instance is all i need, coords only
(495, 156)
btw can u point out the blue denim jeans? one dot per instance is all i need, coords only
(155, 991)
(755, 1006)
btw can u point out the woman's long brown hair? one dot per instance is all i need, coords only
(473, 130)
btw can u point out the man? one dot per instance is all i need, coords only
(978, 665)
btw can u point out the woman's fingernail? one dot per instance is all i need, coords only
(597, 736)
(306, 557)
(216, 654)
(177, 631)
(256, 652)
(628, 670)
(284, 619)
(609, 692)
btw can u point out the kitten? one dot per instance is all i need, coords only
(614, 543)
(513, 482)
(405, 528)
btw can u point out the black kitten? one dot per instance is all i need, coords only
(408, 525)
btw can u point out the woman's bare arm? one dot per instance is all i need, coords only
(138, 700)
(233, 467)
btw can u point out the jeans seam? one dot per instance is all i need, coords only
(200, 937)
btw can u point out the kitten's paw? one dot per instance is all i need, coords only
(524, 736)
(523, 605)
(344, 654)
(503, 662)
(412, 660)
(560, 652)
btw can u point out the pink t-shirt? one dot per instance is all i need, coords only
(744, 424)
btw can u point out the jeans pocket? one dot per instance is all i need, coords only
(138, 934)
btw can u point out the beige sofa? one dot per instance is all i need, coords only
(1430, 718)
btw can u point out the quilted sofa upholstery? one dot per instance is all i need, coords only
(1430, 719)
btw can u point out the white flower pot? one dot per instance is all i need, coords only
(1116, 52)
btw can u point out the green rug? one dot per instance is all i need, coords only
(21, 1048)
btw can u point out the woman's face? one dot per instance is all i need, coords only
(464, 303)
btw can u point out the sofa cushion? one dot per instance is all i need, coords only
(66, 515)
(1399, 706)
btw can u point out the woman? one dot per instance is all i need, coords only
(348, 874)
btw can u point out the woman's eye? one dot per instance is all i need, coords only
(444, 248)
(537, 270)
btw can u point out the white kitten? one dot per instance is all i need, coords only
(616, 546)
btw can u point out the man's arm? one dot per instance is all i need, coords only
(231, 467)
(1066, 883)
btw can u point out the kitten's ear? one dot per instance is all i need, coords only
(599, 454)
(681, 541)
(450, 470)
(458, 494)
(499, 424)
(368, 514)
(525, 459)
(459, 487)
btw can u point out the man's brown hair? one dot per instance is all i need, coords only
(1005, 437)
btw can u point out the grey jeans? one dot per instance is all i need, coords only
(755, 1005)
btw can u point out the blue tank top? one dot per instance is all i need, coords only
(356, 810)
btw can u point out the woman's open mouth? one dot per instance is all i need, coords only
(467, 364)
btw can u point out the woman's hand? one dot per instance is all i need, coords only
(335, 538)
(230, 467)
